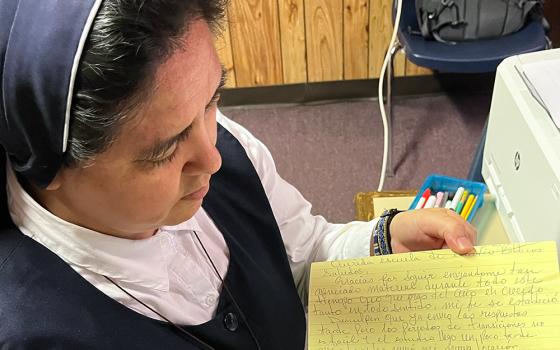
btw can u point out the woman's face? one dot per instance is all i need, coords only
(158, 170)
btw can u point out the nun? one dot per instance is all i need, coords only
(134, 215)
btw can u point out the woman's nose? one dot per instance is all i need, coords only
(211, 160)
(206, 157)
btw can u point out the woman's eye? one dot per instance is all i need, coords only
(164, 159)
(161, 162)
(171, 152)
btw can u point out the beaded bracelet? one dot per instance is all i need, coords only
(381, 235)
(377, 232)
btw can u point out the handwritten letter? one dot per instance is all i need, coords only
(501, 297)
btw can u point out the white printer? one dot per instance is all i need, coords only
(521, 163)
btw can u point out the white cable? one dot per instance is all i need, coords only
(380, 95)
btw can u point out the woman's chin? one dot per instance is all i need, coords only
(183, 211)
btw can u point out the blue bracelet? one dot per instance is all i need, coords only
(378, 239)
(381, 235)
(389, 215)
(375, 242)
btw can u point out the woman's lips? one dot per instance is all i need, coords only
(198, 194)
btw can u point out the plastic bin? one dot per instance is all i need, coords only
(440, 183)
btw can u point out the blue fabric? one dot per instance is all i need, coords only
(44, 304)
(38, 44)
(480, 56)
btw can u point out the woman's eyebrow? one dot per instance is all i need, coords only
(220, 87)
(161, 147)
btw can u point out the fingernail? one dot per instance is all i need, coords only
(463, 243)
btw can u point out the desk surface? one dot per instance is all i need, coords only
(487, 220)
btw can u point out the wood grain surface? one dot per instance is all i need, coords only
(255, 39)
(275, 42)
(292, 40)
(323, 25)
(356, 38)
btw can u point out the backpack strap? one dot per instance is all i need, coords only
(430, 22)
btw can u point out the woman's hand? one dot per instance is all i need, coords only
(428, 229)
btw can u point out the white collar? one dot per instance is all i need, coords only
(140, 262)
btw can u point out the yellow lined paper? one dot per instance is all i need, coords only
(501, 297)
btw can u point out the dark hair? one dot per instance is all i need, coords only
(128, 41)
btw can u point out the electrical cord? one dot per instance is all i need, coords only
(386, 62)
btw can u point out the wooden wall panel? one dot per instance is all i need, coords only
(379, 34)
(356, 39)
(323, 23)
(272, 42)
(399, 64)
(255, 37)
(412, 69)
(223, 46)
(292, 36)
